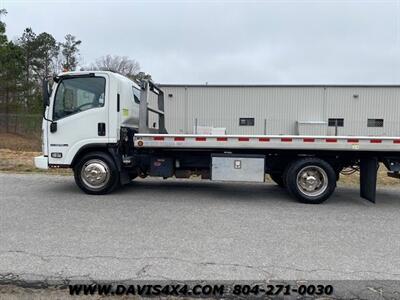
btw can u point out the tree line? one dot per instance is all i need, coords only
(26, 61)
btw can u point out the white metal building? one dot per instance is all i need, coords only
(285, 109)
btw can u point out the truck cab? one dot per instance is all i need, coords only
(86, 109)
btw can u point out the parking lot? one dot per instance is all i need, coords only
(169, 229)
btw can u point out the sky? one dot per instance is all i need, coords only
(232, 42)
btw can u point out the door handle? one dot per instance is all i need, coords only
(101, 129)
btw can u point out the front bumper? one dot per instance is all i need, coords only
(41, 162)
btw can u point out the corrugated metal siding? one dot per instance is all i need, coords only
(281, 107)
(373, 103)
(176, 106)
(222, 107)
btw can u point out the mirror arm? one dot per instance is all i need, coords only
(48, 120)
(44, 115)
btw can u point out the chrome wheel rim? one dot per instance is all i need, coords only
(312, 181)
(95, 174)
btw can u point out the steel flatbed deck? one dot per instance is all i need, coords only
(289, 142)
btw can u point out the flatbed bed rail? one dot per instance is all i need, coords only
(294, 142)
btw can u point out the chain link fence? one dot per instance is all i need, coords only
(29, 125)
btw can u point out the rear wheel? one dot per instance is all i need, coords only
(278, 179)
(311, 180)
(96, 173)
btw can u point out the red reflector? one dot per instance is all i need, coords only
(308, 140)
(396, 141)
(243, 139)
(200, 139)
(263, 139)
(286, 139)
(331, 140)
(222, 139)
(178, 138)
(376, 141)
(352, 141)
(158, 138)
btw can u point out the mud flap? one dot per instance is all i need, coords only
(368, 176)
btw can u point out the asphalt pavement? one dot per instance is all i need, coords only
(169, 229)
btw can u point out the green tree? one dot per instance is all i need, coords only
(39, 53)
(25, 63)
(3, 44)
(47, 50)
(27, 42)
(11, 66)
(70, 51)
(3, 36)
(11, 71)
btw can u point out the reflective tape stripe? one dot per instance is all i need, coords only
(222, 139)
(355, 143)
(352, 140)
(308, 140)
(243, 139)
(263, 139)
(331, 140)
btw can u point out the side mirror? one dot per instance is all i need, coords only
(45, 93)
(53, 127)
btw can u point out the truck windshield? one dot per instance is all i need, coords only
(78, 94)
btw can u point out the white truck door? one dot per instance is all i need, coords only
(80, 111)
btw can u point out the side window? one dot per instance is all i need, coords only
(334, 122)
(75, 95)
(375, 123)
(136, 95)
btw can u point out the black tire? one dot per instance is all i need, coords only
(278, 179)
(96, 162)
(320, 189)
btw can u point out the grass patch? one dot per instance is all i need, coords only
(22, 162)
(17, 153)
(383, 179)
(20, 143)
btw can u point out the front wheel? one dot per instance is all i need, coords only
(96, 173)
(311, 180)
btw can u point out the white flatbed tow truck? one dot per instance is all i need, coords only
(97, 124)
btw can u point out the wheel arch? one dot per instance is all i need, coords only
(101, 147)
